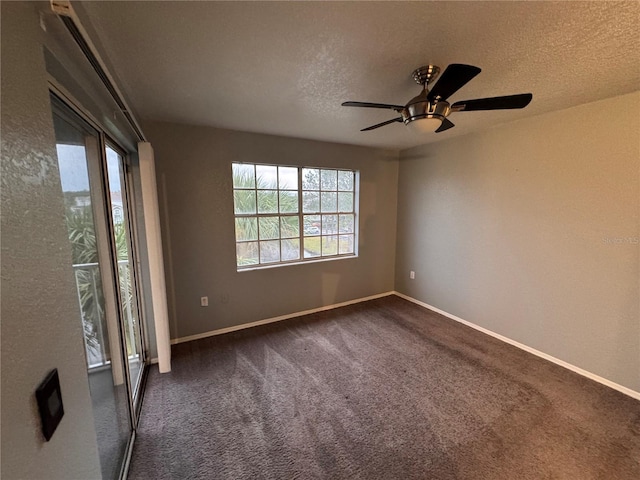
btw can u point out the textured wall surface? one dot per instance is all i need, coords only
(41, 326)
(193, 168)
(531, 230)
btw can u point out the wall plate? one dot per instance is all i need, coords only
(49, 399)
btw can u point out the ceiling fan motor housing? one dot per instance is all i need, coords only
(420, 107)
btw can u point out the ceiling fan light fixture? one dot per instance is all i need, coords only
(425, 124)
(423, 116)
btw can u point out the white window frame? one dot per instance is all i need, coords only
(330, 235)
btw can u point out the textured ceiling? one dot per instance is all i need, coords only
(284, 68)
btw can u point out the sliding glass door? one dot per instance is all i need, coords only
(99, 227)
(120, 219)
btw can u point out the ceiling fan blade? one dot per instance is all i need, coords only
(397, 108)
(494, 103)
(452, 79)
(446, 125)
(372, 127)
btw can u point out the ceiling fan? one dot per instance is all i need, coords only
(429, 110)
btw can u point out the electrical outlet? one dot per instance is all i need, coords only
(204, 301)
(412, 275)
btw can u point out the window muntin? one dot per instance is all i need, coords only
(289, 214)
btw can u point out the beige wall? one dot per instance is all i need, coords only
(530, 229)
(195, 195)
(41, 327)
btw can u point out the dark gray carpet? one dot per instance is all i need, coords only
(379, 390)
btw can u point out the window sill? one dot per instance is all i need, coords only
(289, 264)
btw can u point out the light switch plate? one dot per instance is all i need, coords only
(49, 398)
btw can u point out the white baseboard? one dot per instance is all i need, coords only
(538, 353)
(153, 361)
(235, 328)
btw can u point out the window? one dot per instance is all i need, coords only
(293, 214)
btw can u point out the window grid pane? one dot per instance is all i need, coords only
(267, 201)
(247, 253)
(246, 228)
(345, 201)
(288, 201)
(290, 249)
(288, 178)
(328, 180)
(290, 227)
(345, 181)
(244, 201)
(244, 175)
(291, 214)
(269, 228)
(345, 244)
(266, 177)
(328, 202)
(270, 251)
